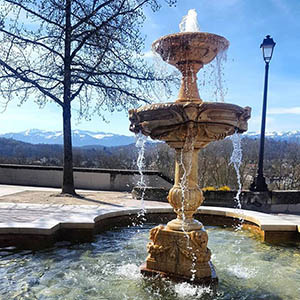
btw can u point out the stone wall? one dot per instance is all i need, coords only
(269, 202)
(84, 178)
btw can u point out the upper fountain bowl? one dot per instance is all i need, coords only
(184, 47)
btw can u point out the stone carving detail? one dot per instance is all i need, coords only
(169, 121)
(154, 232)
(153, 249)
(192, 245)
(175, 198)
(188, 248)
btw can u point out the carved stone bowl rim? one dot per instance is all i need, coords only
(202, 105)
(212, 37)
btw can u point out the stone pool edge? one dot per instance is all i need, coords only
(79, 223)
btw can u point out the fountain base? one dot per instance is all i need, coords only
(181, 256)
(211, 281)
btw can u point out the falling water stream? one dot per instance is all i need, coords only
(236, 161)
(213, 73)
(186, 160)
(218, 75)
(212, 81)
(140, 144)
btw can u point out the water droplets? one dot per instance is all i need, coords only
(213, 78)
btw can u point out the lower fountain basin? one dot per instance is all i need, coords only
(108, 268)
(170, 122)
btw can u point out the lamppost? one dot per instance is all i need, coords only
(259, 182)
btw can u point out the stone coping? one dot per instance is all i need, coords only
(47, 219)
(81, 169)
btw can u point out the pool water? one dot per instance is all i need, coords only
(108, 269)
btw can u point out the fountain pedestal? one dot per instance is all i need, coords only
(179, 250)
(182, 256)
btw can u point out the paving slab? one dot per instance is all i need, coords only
(48, 217)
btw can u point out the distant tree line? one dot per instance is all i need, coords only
(281, 163)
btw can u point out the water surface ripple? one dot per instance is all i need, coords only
(108, 269)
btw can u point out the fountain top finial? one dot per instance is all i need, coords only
(188, 51)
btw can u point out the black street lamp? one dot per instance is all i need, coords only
(259, 183)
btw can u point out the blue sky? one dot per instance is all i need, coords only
(244, 23)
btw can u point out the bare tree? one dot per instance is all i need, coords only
(62, 50)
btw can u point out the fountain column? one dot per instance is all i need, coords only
(185, 196)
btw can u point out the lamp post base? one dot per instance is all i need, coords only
(259, 184)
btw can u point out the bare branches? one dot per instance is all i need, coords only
(18, 74)
(104, 66)
(16, 38)
(87, 17)
(34, 13)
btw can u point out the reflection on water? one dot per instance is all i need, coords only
(109, 269)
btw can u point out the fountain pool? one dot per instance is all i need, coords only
(109, 268)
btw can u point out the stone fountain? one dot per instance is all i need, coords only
(179, 249)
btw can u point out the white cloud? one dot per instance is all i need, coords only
(283, 111)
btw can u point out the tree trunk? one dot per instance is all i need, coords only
(68, 179)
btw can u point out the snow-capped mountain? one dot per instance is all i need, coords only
(291, 136)
(79, 137)
(87, 138)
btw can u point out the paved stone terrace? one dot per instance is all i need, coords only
(45, 219)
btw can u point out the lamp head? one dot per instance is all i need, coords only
(267, 47)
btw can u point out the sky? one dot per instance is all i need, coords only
(244, 23)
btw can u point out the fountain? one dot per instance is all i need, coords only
(179, 249)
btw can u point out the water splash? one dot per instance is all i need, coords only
(242, 272)
(189, 22)
(129, 271)
(185, 290)
(140, 144)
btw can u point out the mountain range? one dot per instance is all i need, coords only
(79, 138)
(86, 138)
(290, 136)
